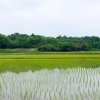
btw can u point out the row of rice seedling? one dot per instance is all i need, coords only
(57, 84)
(51, 56)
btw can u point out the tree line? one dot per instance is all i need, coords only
(42, 43)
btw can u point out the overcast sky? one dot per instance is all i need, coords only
(50, 17)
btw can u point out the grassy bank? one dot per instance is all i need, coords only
(35, 51)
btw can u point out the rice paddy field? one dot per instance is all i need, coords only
(50, 76)
(25, 62)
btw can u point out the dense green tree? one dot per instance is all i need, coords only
(47, 48)
(60, 43)
(86, 46)
(3, 41)
(66, 46)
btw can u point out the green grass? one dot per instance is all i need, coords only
(50, 56)
(25, 62)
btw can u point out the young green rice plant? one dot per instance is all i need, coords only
(57, 84)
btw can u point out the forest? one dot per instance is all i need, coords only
(43, 43)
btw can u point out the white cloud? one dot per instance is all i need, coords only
(50, 17)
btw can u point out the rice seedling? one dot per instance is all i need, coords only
(57, 84)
